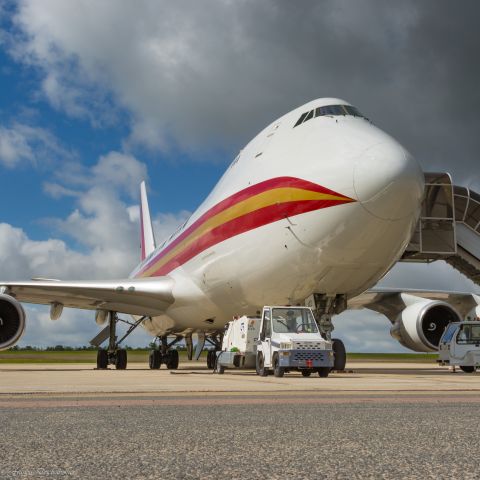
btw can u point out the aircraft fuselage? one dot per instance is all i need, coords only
(327, 206)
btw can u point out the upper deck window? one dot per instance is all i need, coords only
(329, 110)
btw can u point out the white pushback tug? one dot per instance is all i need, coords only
(283, 339)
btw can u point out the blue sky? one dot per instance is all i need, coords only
(190, 175)
(96, 96)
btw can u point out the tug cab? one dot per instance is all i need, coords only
(290, 340)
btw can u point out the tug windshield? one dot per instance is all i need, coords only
(293, 320)
(469, 333)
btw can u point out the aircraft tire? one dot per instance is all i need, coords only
(121, 359)
(306, 373)
(154, 359)
(210, 359)
(172, 360)
(340, 354)
(102, 359)
(467, 368)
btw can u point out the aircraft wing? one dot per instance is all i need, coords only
(390, 302)
(145, 296)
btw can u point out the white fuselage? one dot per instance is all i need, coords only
(338, 248)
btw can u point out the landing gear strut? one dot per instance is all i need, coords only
(165, 354)
(113, 355)
(324, 307)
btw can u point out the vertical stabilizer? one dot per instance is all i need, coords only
(147, 237)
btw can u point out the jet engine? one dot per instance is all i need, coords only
(12, 321)
(421, 324)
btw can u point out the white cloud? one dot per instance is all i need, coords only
(74, 328)
(189, 72)
(57, 191)
(192, 72)
(105, 230)
(21, 143)
(365, 331)
(120, 170)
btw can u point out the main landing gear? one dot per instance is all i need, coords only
(113, 355)
(164, 354)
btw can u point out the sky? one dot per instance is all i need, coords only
(96, 96)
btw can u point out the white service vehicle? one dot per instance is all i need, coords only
(290, 340)
(460, 346)
(239, 345)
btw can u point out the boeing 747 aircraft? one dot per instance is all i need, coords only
(316, 209)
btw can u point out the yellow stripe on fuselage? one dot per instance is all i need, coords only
(256, 202)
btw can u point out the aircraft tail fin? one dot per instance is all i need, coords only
(147, 236)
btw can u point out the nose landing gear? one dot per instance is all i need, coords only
(324, 308)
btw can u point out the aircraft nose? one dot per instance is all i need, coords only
(388, 181)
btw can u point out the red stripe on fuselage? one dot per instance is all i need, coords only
(279, 182)
(250, 221)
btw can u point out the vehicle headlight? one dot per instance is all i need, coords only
(286, 345)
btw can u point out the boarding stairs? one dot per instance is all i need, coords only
(449, 227)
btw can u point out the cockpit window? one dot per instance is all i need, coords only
(309, 116)
(301, 119)
(328, 110)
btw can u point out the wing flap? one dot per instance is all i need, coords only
(147, 296)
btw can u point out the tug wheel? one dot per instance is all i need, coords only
(278, 371)
(261, 370)
(323, 372)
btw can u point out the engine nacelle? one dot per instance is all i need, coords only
(12, 321)
(421, 325)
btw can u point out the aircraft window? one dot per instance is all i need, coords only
(352, 111)
(333, 110)
(301, 119)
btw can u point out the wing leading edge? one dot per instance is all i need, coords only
(144, 296)
(390, 302)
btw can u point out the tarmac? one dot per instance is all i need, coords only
(194, 377)
(377, 420)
